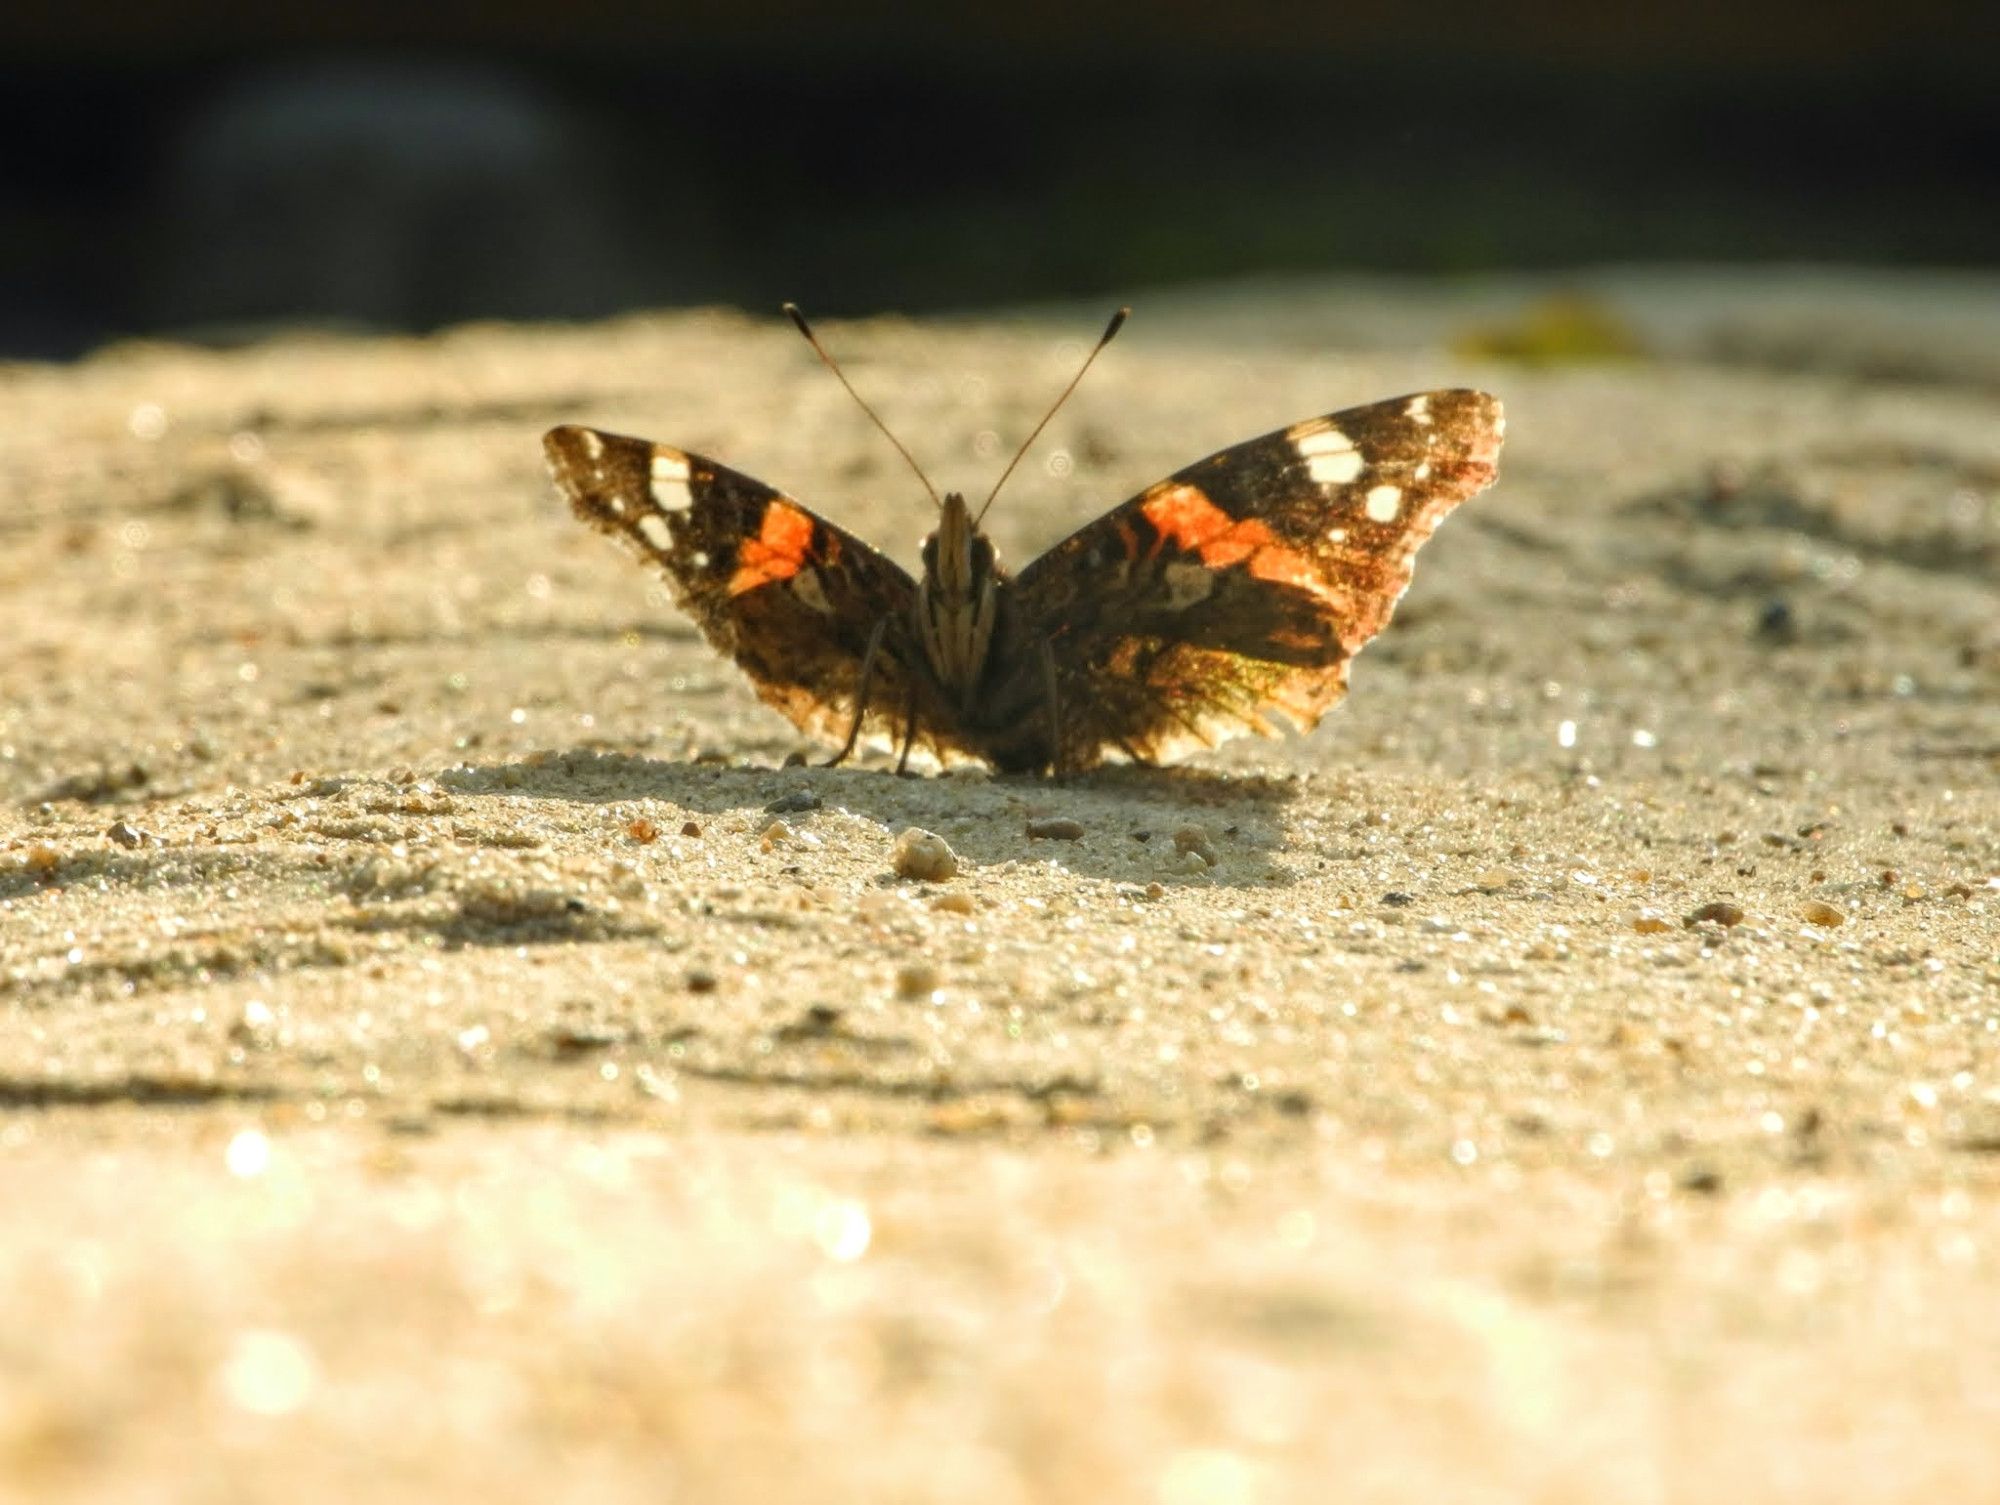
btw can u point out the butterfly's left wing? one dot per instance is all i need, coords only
(1240, 586)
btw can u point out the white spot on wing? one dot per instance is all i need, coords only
(1320, 441)
(1336, 469)
(1330, 456)
(1383, 503)
(1423, 471)
(656, 531)
(670, 481)
(1419, 408)
(1337, 535)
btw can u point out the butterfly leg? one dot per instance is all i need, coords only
(1055, 710)
(1139, 759)
(860, 695)
(909, 732)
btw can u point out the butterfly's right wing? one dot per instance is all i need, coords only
(787, 595)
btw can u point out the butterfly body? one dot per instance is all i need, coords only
(958, 602)
(1227, 595)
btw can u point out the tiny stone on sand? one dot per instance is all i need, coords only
(1720, 912)
(1195, 839)
(1055, 829)
(925, 856)
(916, 980)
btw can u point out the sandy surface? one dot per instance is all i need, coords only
(426, 1073)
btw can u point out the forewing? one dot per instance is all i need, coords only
(1241, 585)
(787, 595)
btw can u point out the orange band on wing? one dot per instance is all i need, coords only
(1190, 521)
(777, 553)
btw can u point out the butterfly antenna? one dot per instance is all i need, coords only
(1117, 323)
(792, 309)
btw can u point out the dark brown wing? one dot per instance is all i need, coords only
(786, 594)
(1241, 586)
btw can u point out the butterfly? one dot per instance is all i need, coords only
(1229, 594)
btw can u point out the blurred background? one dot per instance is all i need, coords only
(211, 170)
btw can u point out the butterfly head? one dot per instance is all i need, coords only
(959, 560)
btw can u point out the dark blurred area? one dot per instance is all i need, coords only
(214, 171)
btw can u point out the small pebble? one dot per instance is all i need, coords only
(1701, 1179)
(774, 833)
(1819, 912)
(1396, 899)
(700, 980)
(1493, 879)
(1719, 912)
(1777, 623)
(819, 1019)
(1055, 829)
(924, 856)
(575, 1037)
(1156, 890)
(916, 980)
(128, 835)
(792, 804)
(955, 902)
(691, 830)
(1650, 922)
(642, 830)
(42, 859)
(1196, 839)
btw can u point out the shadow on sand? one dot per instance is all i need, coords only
(1135, 821)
